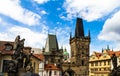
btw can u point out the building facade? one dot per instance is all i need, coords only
(38, 64)
(79, 44)
(100, 64)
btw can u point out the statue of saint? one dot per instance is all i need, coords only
(16, 42)
(28, 60)
(18, 51)
(114, 61)
(18, 47)
(21, 46)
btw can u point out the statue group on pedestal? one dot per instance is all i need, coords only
(20, 59)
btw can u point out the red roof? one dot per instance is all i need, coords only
(2, 47)
(8, 52)
(117, 53)
(98, 54)
(51, 67)
(39, 56)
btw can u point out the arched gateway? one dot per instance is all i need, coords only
(68, 72)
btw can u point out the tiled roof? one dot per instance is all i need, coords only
(2, 47)
(110, 53)
(6, 52)
(2, 44)
(98, 54)
(117, 53)
(39, 56)
(51, 67)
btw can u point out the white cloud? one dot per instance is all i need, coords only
(58, 9)
(63, 17)
(33, 39)
(43, 12)
(0, 19)
(41, 1)
(14, 10)
(90, 9)
(111, 30)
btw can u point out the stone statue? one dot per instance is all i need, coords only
(12, 68)
(17, 65)
(114, 61)
(18, 51)
(116, 70)
(21, 45)
(16, 42)
(30, 72)
(28, 60)
(18, 47)
(20, 59)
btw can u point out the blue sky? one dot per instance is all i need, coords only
(34, 19)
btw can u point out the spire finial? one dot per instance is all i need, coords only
(108, 47)
(70, 35)
(89, 33)
(112, 49)
(102, 50)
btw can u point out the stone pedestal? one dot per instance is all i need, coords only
(21, 71)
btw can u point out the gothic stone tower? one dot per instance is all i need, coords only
(79, 45)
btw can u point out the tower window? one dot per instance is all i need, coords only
(82, 52)
(82, 46)
(52, 60)
(82, 62)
